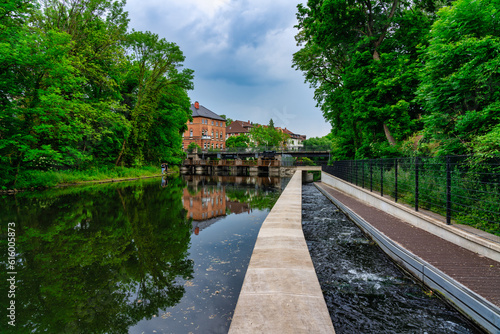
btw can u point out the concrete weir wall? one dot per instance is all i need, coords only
(281, 292)
(476, 307)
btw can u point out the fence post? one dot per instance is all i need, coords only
(356, 171)
(448, 191)
(371, 175)
(381, 178)
(395, 180)
(416, 184)
(363, 174)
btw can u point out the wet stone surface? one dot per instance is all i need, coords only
(364, 290)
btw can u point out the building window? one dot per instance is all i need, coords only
(212, 122)
(183, 135)
(216, 134)
(221, 146)
(212, 133)
(191, 133)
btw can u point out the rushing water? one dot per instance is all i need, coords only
(152, 256)
(365, 292)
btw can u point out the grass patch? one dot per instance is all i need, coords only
(34, 178)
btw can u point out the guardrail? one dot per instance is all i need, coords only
(456, 187)
(234, 163)
(260, 149)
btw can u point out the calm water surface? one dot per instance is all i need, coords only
(152, 256)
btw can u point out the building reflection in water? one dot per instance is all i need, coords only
(205, 197)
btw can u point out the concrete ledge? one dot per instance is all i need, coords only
(473, 305)
(450, 233)
(281, 292)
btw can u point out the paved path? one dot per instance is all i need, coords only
(281, 292)
(476, 272)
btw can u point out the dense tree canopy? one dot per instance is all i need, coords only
(240, 141)
(319, 143)
(461, 78)
(364, 59)
(78, 90)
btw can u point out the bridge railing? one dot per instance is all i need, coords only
(260, 149)
(233, 163)
(463, 189)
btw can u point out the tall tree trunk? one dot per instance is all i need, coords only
(388, 135)
(121, 153)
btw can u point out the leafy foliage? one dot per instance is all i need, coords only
(240, 141)
(268, 136)
(77, 90)
(319, 143)
(461, 78)
(362, 59)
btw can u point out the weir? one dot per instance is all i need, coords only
(460, 266)
(281, 292)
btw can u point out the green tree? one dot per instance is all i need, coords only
(319, 143)
(461, 78)
(240, 141)
(228, 120)
(50, 117)
(193, 147)
(361, 57)
(268, 135)
(154, 70)
(75, 89)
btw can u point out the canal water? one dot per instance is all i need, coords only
(150, 256)
(365, 292)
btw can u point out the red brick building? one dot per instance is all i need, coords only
(207, 130)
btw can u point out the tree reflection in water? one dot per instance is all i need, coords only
(97, 259)
(108, 258)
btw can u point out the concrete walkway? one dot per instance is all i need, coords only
(281, 292)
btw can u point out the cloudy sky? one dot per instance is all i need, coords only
(241, 52)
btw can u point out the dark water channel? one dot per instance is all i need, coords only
(365, 292)
(151, 256)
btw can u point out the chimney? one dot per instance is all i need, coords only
(197, 105)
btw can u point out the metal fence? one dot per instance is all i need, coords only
(459, 188)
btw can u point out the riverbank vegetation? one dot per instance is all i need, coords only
(81, 92)
(404, 78)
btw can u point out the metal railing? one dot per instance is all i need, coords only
(234, 163)
(260, 149)
(457, 187)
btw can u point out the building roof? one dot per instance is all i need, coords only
(204, 112)
(239, 127)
